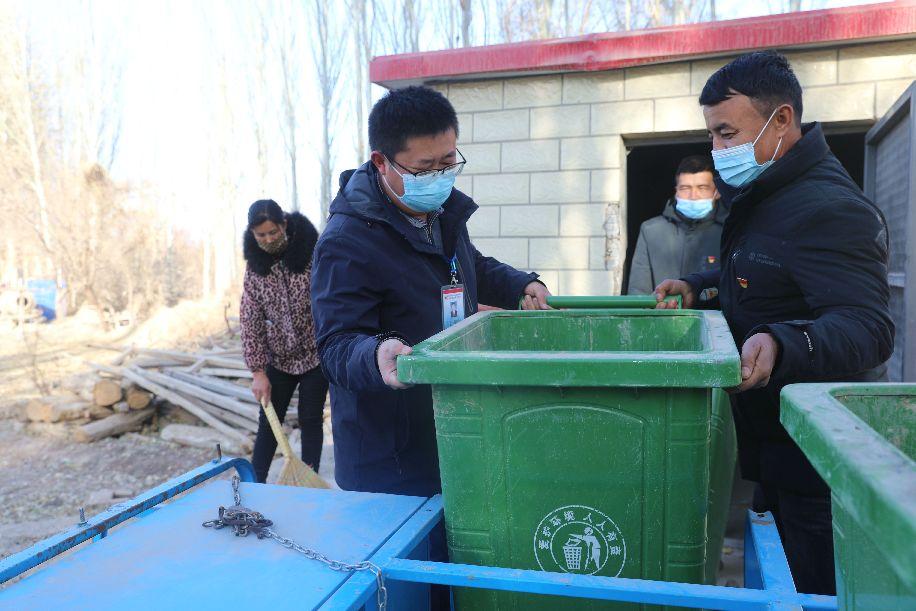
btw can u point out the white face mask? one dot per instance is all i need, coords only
(694, 209)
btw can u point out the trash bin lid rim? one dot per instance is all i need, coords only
(874, 480)
(716, 365)
(634, 369)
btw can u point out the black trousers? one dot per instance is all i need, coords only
(313, 390)
(805, 527)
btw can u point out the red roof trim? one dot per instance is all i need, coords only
(622, 49)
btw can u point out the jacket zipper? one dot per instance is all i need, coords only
(467, 301)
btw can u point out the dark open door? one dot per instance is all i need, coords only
(890, 168)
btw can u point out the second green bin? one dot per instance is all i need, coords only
(579, 442)
(861, 438)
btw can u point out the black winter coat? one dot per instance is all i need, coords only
(804, 257)
(374, 274)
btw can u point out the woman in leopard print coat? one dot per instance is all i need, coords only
(278, 333)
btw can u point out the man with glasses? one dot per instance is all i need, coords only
(685, 237)
(392, 266)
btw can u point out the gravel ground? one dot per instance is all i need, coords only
(46, 479)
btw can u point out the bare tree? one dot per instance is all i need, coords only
(24, 128)
(544, 12)
(362, 15)
(280, 23)
(255, 22)
(467, 15)
(328, 43)
(446, 22)
(412, 25)
(399, 23)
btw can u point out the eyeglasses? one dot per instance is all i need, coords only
(452, 170)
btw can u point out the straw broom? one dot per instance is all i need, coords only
(295, 472)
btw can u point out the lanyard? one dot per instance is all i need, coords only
(453, 268)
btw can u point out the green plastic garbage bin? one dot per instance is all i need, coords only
(577, 441)
(861, 438)
(723, 455)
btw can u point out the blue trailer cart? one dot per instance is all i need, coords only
(322, 550)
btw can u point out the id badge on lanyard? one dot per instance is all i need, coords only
(452, 298)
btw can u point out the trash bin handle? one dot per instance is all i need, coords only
(599, 302)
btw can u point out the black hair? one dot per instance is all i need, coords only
(764, 76)
(694, 164)
(265, 210)
(408, 113)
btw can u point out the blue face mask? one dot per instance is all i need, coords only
(737, 165)
(694, 209)
(426, 194)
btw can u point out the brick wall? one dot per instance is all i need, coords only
(547, 158)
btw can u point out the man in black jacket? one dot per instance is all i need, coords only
(803, 286)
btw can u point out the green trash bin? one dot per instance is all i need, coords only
(723, 456)
(861, 438)
(577, 441)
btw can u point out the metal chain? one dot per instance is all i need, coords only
(235, 490)
(244, 520)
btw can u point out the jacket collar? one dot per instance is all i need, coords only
(807, 152)
(302, 236)
(361, 197)
(671, 214)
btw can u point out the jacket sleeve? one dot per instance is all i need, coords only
(254, 328)
(345, 306)
(641, 281)
(839, 262)
(499, 284)
(700, 281)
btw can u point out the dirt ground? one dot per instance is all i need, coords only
(45, 477)
(46, 480)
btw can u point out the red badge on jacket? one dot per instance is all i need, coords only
(711, 259)
(742, 282)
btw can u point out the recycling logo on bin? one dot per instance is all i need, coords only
(579, 539)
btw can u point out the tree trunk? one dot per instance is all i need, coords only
(117, 424)
(137, 398)
(106, 393)
(360, 66)
(466, 14)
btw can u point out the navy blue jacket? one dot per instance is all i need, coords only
(374, 274)
(804, 257)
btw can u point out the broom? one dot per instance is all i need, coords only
(295, 472)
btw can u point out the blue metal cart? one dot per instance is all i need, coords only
(164, 559)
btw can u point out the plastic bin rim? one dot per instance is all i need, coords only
(717, 365)
(858, 463)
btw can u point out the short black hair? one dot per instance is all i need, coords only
(265, 210)
(408, 113)
(694, 164)
(764, 76)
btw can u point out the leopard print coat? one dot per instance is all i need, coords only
(276, 308)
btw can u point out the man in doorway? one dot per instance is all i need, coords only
(685, 237)
(803, 286)
(394, 257)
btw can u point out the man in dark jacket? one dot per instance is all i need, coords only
(685, 237)
(803, 286)
(395, 240)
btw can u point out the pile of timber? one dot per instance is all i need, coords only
(211, 385)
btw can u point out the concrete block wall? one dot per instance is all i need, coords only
(547, 154)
